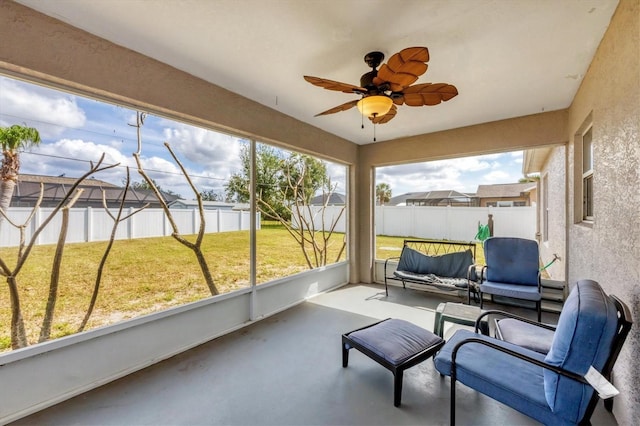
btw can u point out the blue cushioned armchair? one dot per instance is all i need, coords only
(550, 388)
(512, 270)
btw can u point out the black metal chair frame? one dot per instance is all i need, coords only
(624, 325)
(397, 370)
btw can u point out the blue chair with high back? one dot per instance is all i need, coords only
(511, 270)
(550, 388)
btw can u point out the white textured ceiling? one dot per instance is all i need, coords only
(507, 58)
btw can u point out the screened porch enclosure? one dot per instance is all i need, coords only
(287, 370)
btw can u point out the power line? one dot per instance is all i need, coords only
(77, 129)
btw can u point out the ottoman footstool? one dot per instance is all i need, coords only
(395, 344)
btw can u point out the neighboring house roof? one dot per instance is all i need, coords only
(504, 190)
(402, 198)
(335, 199)
(27, 191)
(62, 180)
(431, 197)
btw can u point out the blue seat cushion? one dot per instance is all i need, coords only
(517, 291)
(505, 378)
(395, 340)
(511, 260)
(584, 337)
(452, 265)
(527, 335)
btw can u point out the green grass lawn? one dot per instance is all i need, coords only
(151, 274)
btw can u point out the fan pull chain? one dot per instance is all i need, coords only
(374, 132)
(362, 117)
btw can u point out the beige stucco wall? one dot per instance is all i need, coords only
(609, 250)
(555, 173)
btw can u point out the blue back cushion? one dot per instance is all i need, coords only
(511, 260)
(584, 337)
(452, 265)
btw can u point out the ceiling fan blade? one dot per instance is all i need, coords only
(335, 85)
(385, 118)
(428, 94)
(403, 68)
(339, 108)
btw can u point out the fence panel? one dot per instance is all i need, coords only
(91, 224)
(454, 223)
(313, 215)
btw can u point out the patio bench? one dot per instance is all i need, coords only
(445, 265)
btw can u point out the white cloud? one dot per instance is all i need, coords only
(216, 152)
(461, 174)
(49, 111)
(72, 157)
(497, 176)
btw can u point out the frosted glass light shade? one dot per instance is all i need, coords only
(375, 105)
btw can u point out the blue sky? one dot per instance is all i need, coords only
(76, 130)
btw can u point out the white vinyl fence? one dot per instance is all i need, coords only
(441, 223)
(89, 224)
(454, 223)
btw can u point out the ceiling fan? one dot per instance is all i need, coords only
(381, 90)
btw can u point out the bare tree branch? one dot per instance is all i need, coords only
(114, 229)
(47, 320)
(195, 247)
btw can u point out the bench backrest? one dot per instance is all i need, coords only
(439, 247)
(451, 262)
(511, 260)
(591, 330)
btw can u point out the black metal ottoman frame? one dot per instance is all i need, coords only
(398, 369)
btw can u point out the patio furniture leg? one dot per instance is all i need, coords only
(608, 404)
(397, 387)
(345, 355)
(452, 403)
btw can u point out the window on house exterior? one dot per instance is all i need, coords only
(519, 204)
(587, 175)
(492, 204)
(505, 203)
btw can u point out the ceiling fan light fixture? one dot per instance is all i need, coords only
(374, 106)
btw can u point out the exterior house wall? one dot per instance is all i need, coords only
(608, 250)
(485, 201)
(554, 171)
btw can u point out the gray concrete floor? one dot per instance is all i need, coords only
(287, 370)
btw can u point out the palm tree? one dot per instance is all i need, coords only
(383, 193)
(13, 139)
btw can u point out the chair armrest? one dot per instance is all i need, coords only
(484, 268)
(510, 315)
(555, 369)
(385, 267)
(387, 261)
